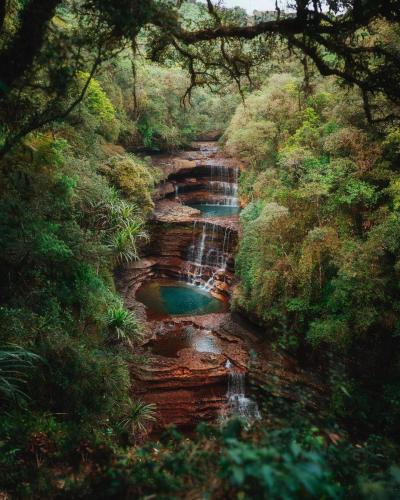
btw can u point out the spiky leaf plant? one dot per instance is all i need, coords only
(15, 362)
(138, 417)
(122, 324)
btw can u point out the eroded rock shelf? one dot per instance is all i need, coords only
(197, 366)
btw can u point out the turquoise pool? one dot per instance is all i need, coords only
(216, 210)
(177, 298)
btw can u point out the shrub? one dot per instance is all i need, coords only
(122, 324)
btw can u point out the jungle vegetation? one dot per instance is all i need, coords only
(310, 101)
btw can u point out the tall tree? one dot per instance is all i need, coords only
(40, 60)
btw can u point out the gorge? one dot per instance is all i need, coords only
(198, 352)
(199, 250)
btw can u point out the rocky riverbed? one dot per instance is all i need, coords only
(198, 366)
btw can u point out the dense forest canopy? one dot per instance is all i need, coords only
(47, 56)
(308, 99)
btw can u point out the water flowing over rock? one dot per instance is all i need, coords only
(198, 365)
(209, 184)
(239, 404)
(208, 254)
(187, 377)
(225, 181)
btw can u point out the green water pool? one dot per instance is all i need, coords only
(177, 298)
(216, 210)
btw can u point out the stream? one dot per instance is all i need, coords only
(197, 355)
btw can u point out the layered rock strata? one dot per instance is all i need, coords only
(190, 383)
(175, 233)
(191, 386)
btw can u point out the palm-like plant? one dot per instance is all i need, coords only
(15, 363)
(126, 230)
(122, 248)
(122, 210)
(122, 324)
(138, 417)
(122, 227)
(124, 243)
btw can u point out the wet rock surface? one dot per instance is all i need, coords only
(197, 365)
(192, 386)
(170, 211)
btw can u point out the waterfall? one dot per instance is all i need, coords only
(196, 256)
(208, 254)
(224, 182)
(208, 147)
(200, 249)
(239, 404)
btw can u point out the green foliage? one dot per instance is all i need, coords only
(138, 417)
(318, 261)
(69, 212)
(391, 144)
(281, 463)
(97, 100)
(15, 364)
(156, 118)
(96, 379)
(257, 126)
(132, 178)
(122, 324)
(308, 134)
(271, 472)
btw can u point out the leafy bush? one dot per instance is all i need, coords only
(133, 179)
(100, 106)
(15, 365)
(320, 274)
(256, 471)
(122, 324)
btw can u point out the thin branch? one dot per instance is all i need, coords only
(40, 121)
(213, 12)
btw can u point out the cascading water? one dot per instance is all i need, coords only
(224, 182)
(208, 254)
(209, 147)
(239, 404)
(196, 256)
(193, 350)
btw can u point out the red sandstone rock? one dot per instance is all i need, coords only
(192, 386)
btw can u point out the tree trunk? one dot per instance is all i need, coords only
(19, 55)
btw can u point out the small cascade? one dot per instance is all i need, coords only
(208, 147)
(188, 272)
(224, 183)
(208, 254)
(239, 404)
(196, 256)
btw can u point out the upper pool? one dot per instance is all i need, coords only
(216, 210)
(177, 298)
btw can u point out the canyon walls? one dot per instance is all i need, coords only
(197, 365)
(185, 243)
